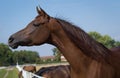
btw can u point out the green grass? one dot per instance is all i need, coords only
(12, 73)
(2, 72)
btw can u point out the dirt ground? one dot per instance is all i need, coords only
(48, 65)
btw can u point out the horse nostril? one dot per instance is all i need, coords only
(11, 39)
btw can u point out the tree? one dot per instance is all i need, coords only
(95, 35)
(9, 57)
(104, 39)
(24, 56)
(57, 54)
(5, 55)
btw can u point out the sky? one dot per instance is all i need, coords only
(102, 16)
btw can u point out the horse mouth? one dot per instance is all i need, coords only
(20, 43)
(14, 46)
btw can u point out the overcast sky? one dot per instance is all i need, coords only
(102, 16)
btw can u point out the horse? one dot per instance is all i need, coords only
(115, 49)
(87, 57)
(31, 69)
(60, 71)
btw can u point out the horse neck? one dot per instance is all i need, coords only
(85, 43)
(72, 53)
(80, 63)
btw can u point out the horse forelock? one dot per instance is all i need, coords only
(82, 40)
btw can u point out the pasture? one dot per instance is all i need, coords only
(9, 72)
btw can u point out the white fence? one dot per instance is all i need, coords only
(27, 74)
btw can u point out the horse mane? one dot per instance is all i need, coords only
(82, 40)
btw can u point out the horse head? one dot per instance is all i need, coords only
(35, 33)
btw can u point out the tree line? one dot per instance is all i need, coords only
(9, 57)
(106, 40)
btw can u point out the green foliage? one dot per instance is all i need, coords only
(95, 35)
(57, 54)
(24, 56)
(5, 54)
(38, 60)
(8, 57)
(104, 39)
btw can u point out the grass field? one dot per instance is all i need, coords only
(9, 73)
(12, 73)
(2, 72)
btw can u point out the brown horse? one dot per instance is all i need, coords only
(60, 71)
(116, 49)
(29, 69)
(87, 57)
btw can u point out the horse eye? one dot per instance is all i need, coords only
(36, 25)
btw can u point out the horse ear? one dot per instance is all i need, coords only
(40, 11)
